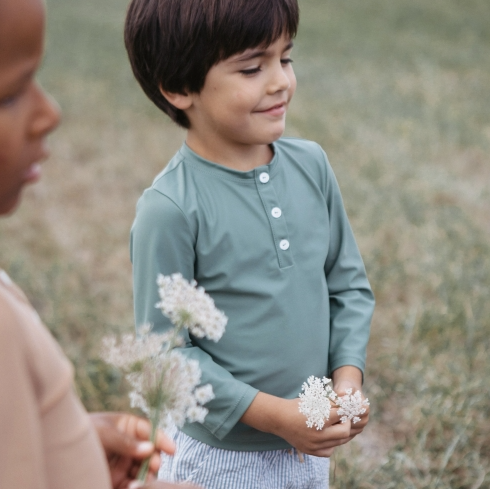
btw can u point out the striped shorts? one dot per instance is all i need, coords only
(214, 468)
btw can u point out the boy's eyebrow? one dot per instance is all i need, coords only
(252, 54)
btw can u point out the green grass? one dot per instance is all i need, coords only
(398, 95)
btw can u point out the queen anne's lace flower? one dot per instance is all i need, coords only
(188, 306)
(317, 399)
(163, 381)
(204, 394)
(131, 350)
(351, 406)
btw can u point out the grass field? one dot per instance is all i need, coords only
(398, 93)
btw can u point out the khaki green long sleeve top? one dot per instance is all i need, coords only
(274, 248)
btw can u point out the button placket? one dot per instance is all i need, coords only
(276, 218)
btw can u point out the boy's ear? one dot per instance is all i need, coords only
(181, 101)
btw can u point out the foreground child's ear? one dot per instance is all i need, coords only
(181, 101)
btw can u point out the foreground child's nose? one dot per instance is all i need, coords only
(47, 114)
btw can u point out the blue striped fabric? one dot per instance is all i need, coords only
(214, 468)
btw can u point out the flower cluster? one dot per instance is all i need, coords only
(315, 401)
(189, 306)
(318, 397)
(164, 382)
(351, 406)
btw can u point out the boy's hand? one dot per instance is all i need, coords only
(292, 427)
(125, 439)
(349, 377)
(282, 418)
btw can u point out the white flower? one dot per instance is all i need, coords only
(164, 382)
(196, 414)
(315, 401)
(132, 349)
(351, 406)
(204, 394)
(188, 306)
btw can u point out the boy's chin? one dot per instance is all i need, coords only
(271, 136)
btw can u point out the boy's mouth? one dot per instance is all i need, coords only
(33, 173)
(276, 110)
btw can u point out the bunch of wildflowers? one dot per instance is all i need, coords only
(164, 382)
(318, 397)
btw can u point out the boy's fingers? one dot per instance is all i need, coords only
(128, 435)
(337, 431)
(329, 445)
(326, 453)
(164, 444)
(119, 443)
(334, 416)
(155, 463)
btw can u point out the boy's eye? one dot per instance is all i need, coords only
(8, 101)
(250, 71)
(286, 61)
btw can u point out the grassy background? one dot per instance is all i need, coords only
(398, 93)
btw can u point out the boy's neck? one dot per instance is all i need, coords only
(241, 157)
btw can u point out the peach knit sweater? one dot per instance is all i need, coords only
(46, 438)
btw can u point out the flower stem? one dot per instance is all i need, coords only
(145, 466)
(154, 420)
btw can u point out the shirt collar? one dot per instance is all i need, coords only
(220, 170)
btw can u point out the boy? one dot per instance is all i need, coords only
(259, 222)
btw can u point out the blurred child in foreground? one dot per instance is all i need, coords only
(48, 440)
(258, 221)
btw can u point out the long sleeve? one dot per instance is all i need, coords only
(351, 298)
(162, 241)
(47, 439)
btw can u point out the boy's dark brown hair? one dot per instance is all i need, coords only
(172, 44)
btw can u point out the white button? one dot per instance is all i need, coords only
(284, 244)
(264, 177)
(276, 212)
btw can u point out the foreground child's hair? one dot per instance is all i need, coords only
(172, 44)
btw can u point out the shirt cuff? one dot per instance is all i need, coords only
(236, 412)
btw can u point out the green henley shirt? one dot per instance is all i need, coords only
(274, 249)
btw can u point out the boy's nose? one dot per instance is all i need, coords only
(47, 114)
(280, 81)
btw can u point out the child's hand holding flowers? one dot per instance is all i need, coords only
(164, 382)
(318, 398)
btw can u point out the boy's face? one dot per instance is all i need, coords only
(245, 98)
(27, 115)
